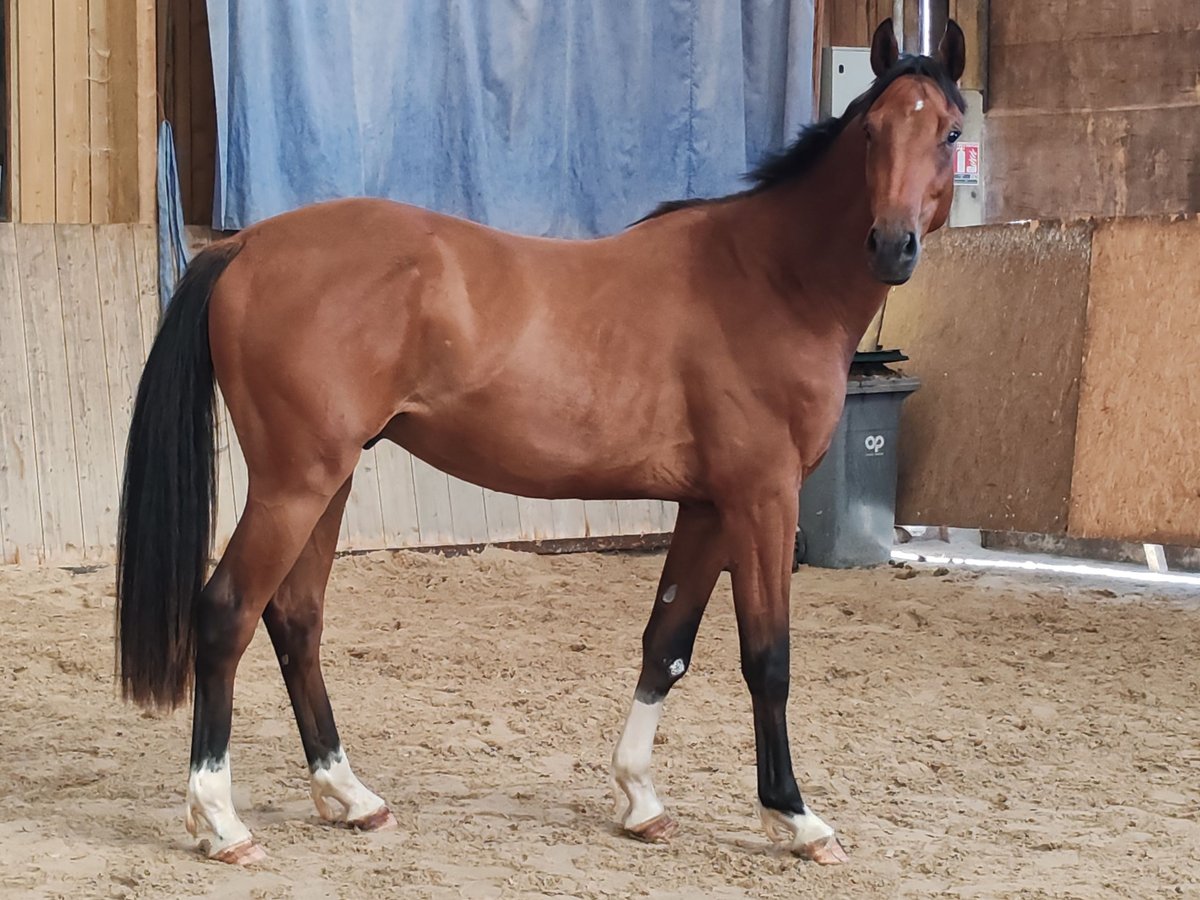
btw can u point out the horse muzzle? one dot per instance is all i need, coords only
(893, 253)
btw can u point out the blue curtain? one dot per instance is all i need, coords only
(549, 117)
(172, 241)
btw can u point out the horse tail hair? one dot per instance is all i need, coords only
(168, 496)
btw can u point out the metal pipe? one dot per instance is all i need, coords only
(898, 22)
(931, 22)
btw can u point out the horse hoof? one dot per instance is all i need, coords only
(380, 820)
(243, 853)
(658, 830)
(826, 852)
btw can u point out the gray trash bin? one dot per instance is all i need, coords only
(848, 505)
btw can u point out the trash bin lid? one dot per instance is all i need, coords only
(890, 383)
(879, 356)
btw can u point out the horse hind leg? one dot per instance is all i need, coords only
(279, 518)
(693, 565)
(294, 622)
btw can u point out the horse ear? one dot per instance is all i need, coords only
(952, 51)
(884, 49)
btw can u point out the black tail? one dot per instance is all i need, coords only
(168, 496)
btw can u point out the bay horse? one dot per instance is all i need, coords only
(698, 356)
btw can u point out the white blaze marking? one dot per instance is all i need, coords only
(669, 594)
(333, 779)
(793, 831)
(631, 763)
(676, 668)
(210, 807)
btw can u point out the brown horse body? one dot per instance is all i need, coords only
(699, 356)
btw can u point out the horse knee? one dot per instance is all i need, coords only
(662, 666)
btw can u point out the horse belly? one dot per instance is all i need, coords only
(552, 452)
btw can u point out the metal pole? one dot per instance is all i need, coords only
(898, 22)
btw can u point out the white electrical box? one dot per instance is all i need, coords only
(845, 73)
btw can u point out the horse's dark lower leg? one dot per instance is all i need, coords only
(693, 564)
(762, 537)
(272, 532)
(294, 622)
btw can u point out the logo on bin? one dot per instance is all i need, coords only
(874, 444)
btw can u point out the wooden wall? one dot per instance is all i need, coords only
(851, 23)
(78, 311)
(1137, 462)
(1058, 394)
(82, 110)
(993, 321)
(1093, 108)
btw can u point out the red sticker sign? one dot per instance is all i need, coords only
(966, 163)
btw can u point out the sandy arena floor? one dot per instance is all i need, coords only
(969, 735)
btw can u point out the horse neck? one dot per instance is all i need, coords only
(809, 234)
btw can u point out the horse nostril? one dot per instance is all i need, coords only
(872, 241)
(910, 245)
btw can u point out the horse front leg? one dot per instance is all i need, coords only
(693, 564)
(761, 531)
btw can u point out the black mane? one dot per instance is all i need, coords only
(817, 138)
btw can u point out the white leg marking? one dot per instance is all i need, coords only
(334, 780)
(210, 807)
(631, 763)
(793, 831)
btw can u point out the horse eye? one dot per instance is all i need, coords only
(953, 136)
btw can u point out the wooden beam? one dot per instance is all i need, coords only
(12, 97)
(72, 125)
(34, 44)
(147, 110)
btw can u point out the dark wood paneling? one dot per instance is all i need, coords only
(1033, 21)
(1120, 163)
(1098, 73)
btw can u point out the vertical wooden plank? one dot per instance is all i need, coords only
(113, 99)
(116, 278)
(227, 511)
(20, 504)
(637, 517)
(602, 518)
(73, 195)
(53, 434)
(102, 124)
(87, 374)
(467, 512)
(239, 477)
(537, 518)
(12, 104)
(971, 15)
(147, 110)
(35, 64)
(503, 516)
(180, 71)
(145, 250)
(364, 512)
(570, 519)
(397, 495)
(203, 106)
(432, 488)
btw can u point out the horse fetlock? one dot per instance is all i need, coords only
(804, 834)
(352, 803)
(210, 811)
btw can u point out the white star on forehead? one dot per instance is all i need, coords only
(920, 105)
